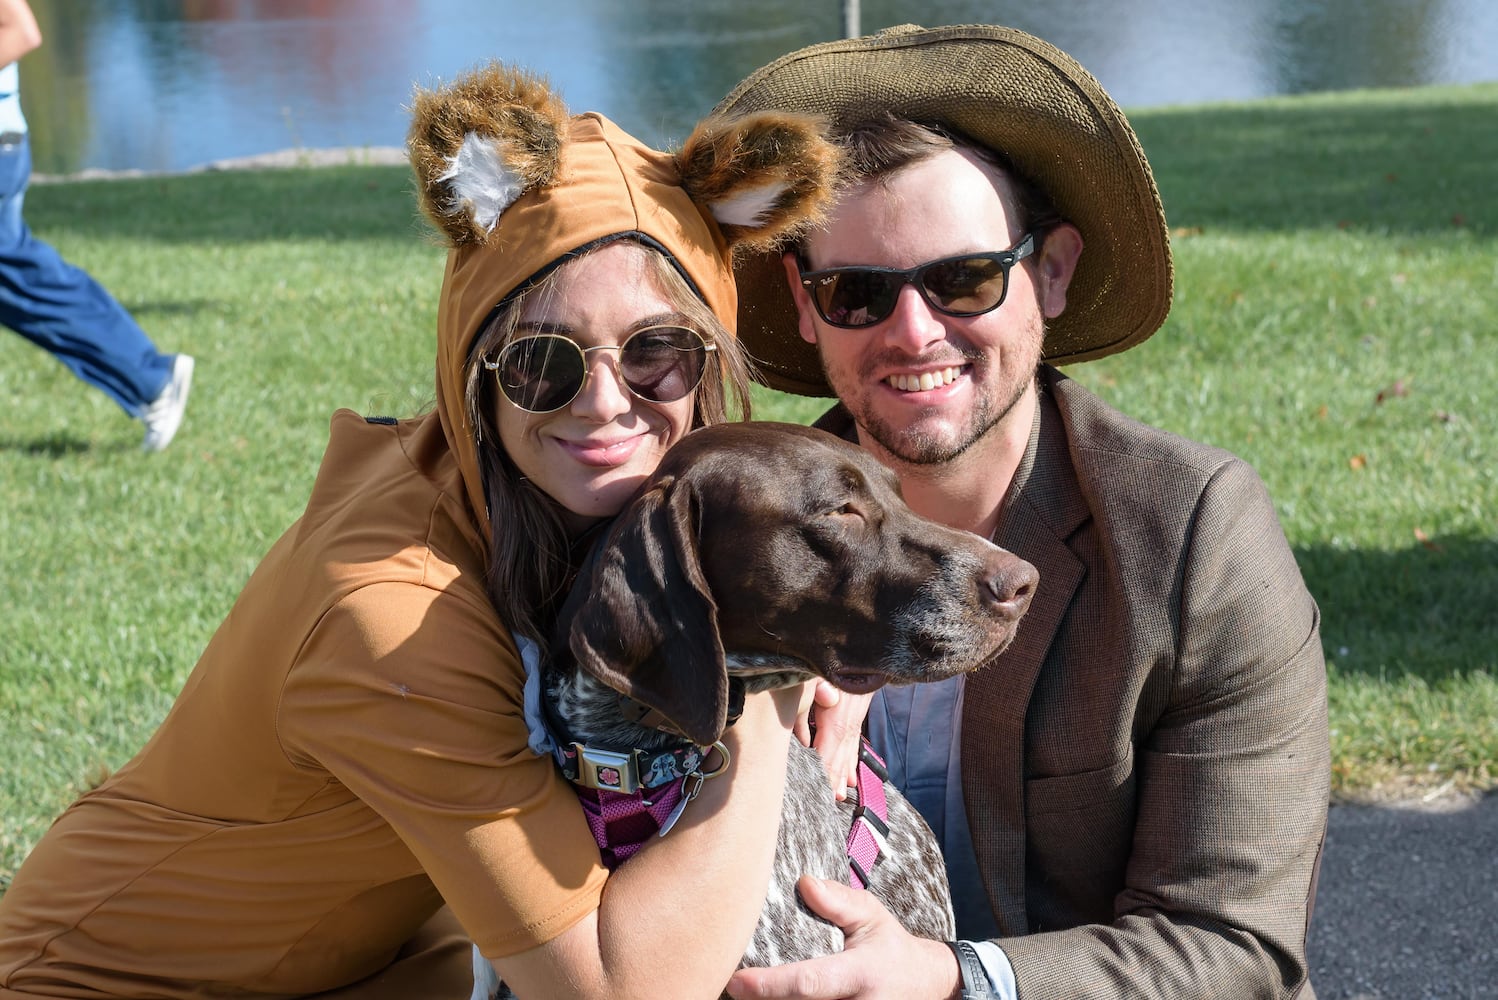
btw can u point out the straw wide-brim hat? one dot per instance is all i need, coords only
(1018, 95)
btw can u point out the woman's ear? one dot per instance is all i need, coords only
(1056, 265)
(805, 315)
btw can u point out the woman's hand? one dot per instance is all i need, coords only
(838, 717)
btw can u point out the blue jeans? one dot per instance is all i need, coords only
(60, 309)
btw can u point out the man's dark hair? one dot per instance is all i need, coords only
(879, 147)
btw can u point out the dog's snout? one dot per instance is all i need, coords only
(1008, 585)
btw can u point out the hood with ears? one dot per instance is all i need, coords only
(515, 186)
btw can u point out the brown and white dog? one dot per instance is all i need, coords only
(764, 555)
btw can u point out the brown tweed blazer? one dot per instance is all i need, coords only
(1146, 768)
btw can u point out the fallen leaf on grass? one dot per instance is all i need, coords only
(1391, 391)
(1358, 461)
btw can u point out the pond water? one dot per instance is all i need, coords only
(166, 85)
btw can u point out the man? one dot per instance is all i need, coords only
(58, 306)
(1132, 798)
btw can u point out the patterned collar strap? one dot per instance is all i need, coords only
(626, 771)
(622, 822)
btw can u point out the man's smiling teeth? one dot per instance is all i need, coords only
(925, 380)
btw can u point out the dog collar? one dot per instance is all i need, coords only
(626, 771)
(621, 822)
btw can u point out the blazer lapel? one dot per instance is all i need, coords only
(1043, 509)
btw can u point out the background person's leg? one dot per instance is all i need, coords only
(63, 310)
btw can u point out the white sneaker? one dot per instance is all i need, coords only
(164, 415)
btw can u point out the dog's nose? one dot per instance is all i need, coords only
(1009, 584)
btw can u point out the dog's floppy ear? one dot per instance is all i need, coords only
(642, 619)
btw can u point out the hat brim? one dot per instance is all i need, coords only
(1015, 94)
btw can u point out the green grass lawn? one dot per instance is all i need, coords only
(1336, 322)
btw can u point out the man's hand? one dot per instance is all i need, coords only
(880, 959)
(839, 720)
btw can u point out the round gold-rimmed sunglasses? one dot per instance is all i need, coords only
(968, 284)
(545, 372)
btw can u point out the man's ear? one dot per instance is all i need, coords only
(1057, 264)
(805, 313)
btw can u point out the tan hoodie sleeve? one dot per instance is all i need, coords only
(411, 697)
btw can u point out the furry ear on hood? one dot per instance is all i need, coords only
(764, 177)
(479, 144)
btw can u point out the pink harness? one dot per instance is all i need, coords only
(622, 822)
(866, 840)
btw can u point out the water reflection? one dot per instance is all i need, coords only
(170, 84)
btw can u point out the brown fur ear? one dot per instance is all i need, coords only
(480, 142)
(765, 177)
(642, 620)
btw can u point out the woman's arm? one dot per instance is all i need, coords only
(412, 699)
(676, 918)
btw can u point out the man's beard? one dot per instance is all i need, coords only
(918, 445)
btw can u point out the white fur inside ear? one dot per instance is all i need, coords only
(748, 208)
(480, 180)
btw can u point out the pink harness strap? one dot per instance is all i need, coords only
(621, 823)
(870, 817)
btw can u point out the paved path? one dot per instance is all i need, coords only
(1408, 904)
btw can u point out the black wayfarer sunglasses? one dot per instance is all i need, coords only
(964, 285)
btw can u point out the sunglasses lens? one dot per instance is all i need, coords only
(663, 363)
(541, 373)
(857, 298)
(964, 285)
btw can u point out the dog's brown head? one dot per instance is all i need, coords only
(782, 552)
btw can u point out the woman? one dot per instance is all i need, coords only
(345, 780)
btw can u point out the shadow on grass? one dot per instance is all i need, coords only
(1416, 162)
(58, 444)
(1429, 611)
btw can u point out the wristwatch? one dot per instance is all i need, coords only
(975, 984)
